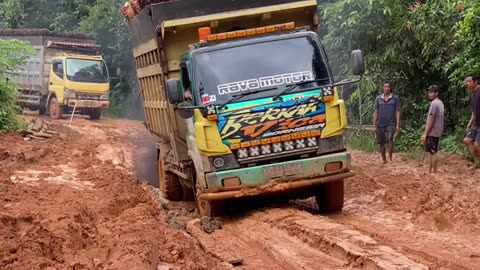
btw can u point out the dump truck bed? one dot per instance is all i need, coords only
(161, 34)
(34, 74)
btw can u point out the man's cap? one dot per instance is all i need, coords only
(433, 88)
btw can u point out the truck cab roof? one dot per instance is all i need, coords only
(212, 46)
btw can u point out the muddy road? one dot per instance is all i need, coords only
(85, 199)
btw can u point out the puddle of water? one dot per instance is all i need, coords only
(57, 175)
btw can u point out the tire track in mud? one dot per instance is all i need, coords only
(434, 249)
(293, 239)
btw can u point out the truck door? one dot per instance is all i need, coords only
(56, 80)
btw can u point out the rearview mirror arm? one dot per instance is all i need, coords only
(188, 107)
(340, 83)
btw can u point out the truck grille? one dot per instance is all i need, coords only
(88, 97)
(277, 149)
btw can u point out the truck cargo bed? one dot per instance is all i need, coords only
(142, 26)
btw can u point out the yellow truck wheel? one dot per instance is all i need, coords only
(170, 185)
(210, 208)
(55, 109)
(330, 197)
(188, 194)
(95, 114)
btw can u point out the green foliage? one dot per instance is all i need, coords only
(451, 144)
(413, 44)
(106, 21)
(13, 53)
(409, 139)
(58, 15)
(361, 140)
(381, 29)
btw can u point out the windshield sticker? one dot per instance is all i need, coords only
(208, 99)
(273, 120)
(264, 82)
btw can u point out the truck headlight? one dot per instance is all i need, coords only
(105, 96)
(223, 163)
(68, 93)
(332, 144)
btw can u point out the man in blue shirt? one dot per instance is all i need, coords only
(386, 120)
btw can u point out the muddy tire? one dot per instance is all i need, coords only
(95, 114)
(330, 197)
(170, 185)
(188, 194)
(55, 109)
(42, 110)
(210, 208)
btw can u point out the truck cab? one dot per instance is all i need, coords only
(253, 108)
(65, 74)
(77, 81)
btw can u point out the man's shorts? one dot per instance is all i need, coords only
(385, 134)
(474, 134)
(432, 144)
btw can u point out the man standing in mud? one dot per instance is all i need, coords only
(386, 120)
(434, 128)
(472, 140)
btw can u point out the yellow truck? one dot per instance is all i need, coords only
(243, 99)
(66, 73)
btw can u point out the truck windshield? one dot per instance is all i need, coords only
(267, 66)
(90, 71)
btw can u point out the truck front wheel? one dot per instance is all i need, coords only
(95, 114)
(330, 197)
(55, 109)
(210, 208)
(171, 186)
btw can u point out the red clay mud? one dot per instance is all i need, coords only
(115, 223)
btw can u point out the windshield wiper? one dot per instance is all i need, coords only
(292, 87)
(242, 94)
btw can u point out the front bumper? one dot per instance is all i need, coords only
(277, 177)
(82, 103)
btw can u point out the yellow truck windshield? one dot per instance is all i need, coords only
(268, 66)
(90, 71)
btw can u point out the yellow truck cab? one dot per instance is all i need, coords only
(78, 81)
(243, 96)
(66, 74)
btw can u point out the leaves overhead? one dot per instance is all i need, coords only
(413, 44)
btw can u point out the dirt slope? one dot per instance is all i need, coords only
(71, 203)
(75, 202)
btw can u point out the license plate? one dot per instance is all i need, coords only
(89, 103)
(282, 170)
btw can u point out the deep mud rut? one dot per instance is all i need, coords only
(82, 201)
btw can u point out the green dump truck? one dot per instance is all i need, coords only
(243, 99)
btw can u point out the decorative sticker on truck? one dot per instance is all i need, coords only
(273, 120)
(206, 99)
(264, 82)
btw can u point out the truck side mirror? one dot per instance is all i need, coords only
(174, 91)
(358, 66)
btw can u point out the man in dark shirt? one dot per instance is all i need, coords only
(472, 140)
(386, 120)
